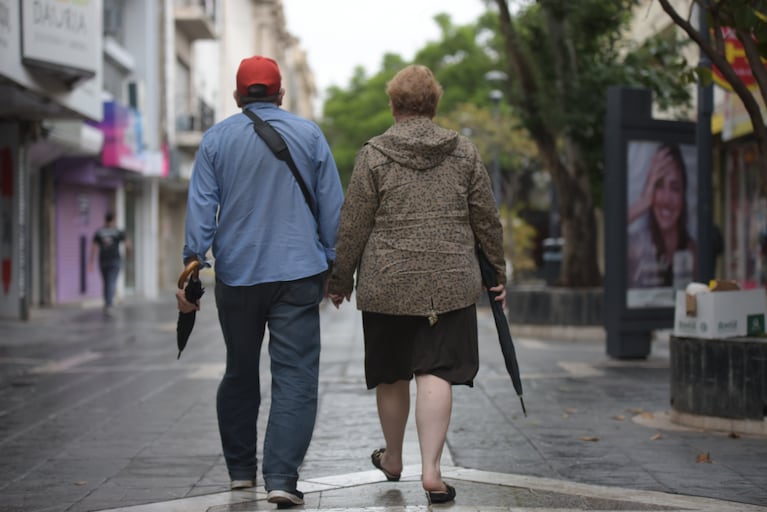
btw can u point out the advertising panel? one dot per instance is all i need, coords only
(662, 223)
(122, 137)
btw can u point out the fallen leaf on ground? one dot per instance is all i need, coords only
(647, 415)
(734, 435)
(81, 482)
(657, 436)
(619, 417)
(571, 410)
(703, 457)
(589, 438)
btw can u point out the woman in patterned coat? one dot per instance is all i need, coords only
(418, 204)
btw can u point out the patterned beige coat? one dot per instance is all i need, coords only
(418, 201)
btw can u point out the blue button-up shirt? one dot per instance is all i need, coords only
(246, 205)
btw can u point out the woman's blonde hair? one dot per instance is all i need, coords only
(414, 90)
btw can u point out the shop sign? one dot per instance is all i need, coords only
(736, 57)
(735, 117)
(122, 137)
(59, 35)
(48, 47)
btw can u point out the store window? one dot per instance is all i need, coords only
(746, 218)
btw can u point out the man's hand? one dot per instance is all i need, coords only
(184, 305)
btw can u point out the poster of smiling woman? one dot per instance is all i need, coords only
(662, 221)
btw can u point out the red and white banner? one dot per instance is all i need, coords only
(736, 57)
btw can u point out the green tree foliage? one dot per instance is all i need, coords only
(561, 57)
(353, 115)
(502, 135)
(460, 60)
(577, 51)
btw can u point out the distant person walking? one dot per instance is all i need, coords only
(272, 253)
(106, 244)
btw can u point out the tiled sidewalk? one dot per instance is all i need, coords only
(97, 414)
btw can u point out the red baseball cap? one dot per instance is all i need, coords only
(258, 70)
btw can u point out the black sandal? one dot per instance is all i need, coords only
(441, 496)
(375, 458)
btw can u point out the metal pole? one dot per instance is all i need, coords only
(496, 96)
(703, 140)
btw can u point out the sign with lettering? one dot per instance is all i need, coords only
(736, 57)
(61, 35)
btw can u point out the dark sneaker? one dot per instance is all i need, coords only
(285, 499)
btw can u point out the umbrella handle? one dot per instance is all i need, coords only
(192, 268)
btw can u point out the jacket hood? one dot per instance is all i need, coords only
(416, 143)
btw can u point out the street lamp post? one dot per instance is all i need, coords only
(706, 264)
(495, 97)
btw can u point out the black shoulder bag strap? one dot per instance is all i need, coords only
(277, 144)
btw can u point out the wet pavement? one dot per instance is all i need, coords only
(98, 414)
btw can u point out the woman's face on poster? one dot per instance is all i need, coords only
(668, 195)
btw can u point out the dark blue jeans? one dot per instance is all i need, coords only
(291, 312)
(109, 273)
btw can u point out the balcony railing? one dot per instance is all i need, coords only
(196, 19)
(191, 126)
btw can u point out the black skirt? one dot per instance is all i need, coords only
(398, 347)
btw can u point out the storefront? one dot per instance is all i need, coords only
(48, 70)
(84, 193)
(744, 204)
(120, 179)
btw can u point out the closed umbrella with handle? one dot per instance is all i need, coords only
(489, 279)
(192, 292)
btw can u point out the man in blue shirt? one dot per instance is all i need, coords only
(271, 256)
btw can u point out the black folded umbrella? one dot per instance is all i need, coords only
(490, 278)
(192, 292)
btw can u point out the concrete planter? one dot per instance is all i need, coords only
(723, 378)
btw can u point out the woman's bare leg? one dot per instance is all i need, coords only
(393, 402)
(433, 406)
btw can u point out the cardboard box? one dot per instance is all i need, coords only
(722, 314)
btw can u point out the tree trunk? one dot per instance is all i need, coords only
(577, 222)
(575, 202)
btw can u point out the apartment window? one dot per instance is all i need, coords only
(113, 19)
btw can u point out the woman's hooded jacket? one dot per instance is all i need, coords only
(418, 203)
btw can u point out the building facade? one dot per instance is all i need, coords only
(102, 107)
(50, 84)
